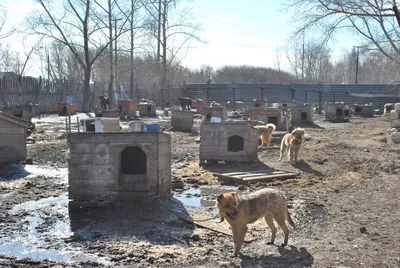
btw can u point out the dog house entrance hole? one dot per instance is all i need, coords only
(235, 143)
(339, 112)
(257, 105)
(133, 161)
(149, 108)
(346, 113)
(358, 110)
(273, 120)
(304, 116)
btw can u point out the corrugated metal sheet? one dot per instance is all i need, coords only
(378, 95)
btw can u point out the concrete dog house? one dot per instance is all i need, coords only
(266, 115)
(119, 166)
(228, 141)
(301, 114)
(182, 120)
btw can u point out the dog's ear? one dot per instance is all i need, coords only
(219, 197)
(234, 195)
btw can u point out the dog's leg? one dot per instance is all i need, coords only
(280, 220)
(262, 142)
(290, 156)
(283, 149)
(268, 140)
(235, 235)
(270, 221)
(296, 153)
(241, 232)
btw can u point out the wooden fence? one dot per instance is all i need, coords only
(16, 91)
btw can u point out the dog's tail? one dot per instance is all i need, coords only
(289, 219)
(271, 127)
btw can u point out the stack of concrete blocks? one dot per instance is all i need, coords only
(301, 114)
(13, 132)
(147, 109)
(216, 111)
(120, 166)
(182, 120)
(228, 141)
(337, 112)
(267, 115)
(364, 110)
(395, 123)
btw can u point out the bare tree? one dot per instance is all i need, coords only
(310, 61)
(175, 31)
(3, 19)
(376, 21)
(79, 25)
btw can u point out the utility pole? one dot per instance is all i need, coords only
(116, 57)
(302, 63)
(358, 52)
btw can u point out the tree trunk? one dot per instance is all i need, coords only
(131, 81)
(86, 89)
(164, 51)
(111, 84)
(88, 65)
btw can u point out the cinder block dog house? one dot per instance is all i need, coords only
(13, 132)
(301, 114)
(119, 166)
(228, 141)
(364, 110)
(147, 109)
(266, 115)
(182, 120)
(336, 111)
(216, 111)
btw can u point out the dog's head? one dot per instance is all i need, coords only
(298, 133)
(227, 205)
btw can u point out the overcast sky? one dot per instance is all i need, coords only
(237, 32)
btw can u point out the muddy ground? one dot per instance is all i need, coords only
(345, 205)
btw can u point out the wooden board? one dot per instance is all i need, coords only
(266, 175)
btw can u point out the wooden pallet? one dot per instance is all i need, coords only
(264, 175)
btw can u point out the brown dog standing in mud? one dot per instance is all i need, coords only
(265, 132)
(241, 210)
(291, 144)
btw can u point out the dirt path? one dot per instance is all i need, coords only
(345, 206)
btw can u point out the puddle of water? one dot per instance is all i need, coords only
(198, 196)
(23, 250)
(35, 205)
(17, 171)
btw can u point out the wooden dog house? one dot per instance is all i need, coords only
(13, 132)
(65, 109)
(100, 124)
(228, 141)
(301, 114)
(119, 166)
(182, 120)
(127, 108)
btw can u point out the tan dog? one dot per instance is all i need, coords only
(265, 132)
(291, 144)
(242, 210)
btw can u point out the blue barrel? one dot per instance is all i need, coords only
(153, 127)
